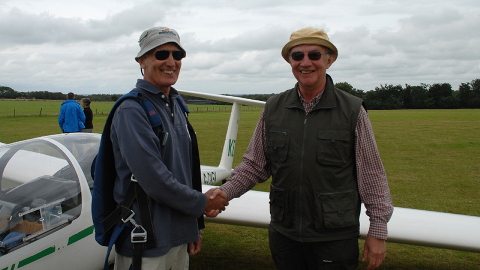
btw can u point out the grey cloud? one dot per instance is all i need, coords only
(239, 50)
(426, 48)
(242, 5)
(47, 28)
(253, 53)
(254, 39)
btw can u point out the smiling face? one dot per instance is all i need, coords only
(311, 74)
(161, 73)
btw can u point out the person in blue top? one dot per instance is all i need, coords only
(71, 117)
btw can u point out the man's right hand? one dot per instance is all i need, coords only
(216, 202)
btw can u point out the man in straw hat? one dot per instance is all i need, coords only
(162, 163)
(317, 143)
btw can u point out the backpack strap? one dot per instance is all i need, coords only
(154, 119)
(183, 106)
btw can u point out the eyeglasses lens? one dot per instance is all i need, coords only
(314, 55)
(178, 55)
(164, 54)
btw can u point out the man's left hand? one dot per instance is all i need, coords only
(374, 249)
(194, 248)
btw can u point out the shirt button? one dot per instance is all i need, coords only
(172, 114)
(167, 104)
(163, 96)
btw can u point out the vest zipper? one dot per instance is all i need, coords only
(301, 178)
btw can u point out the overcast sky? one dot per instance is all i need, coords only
(233, 47)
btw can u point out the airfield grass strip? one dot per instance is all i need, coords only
(431, 158)
(31, 108)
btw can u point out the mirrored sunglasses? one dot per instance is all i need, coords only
(313, 55)
(164, 54)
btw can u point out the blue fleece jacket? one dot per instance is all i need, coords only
(163, 171)
(71, 117)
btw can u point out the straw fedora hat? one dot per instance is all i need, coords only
(310, 36)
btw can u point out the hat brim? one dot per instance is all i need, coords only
(307, 41)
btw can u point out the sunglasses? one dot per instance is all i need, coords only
(164, 54)
(313, 55)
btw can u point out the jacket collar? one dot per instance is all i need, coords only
(328, 99)
(149, 87)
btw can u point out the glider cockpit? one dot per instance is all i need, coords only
(40, 190)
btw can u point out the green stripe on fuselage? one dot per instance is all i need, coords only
(74, 238)
(79, 236)
(37, 256)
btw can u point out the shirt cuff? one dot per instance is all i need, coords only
(228, 188)
(378, 230)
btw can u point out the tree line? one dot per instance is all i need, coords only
(9, 93)
(384, 97)
(423, 96)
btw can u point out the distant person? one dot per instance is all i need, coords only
(317, 143)
(71, 117)
(88, 115)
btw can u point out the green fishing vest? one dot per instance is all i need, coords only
(314, 192)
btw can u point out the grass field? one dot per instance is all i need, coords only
(432, 159)
(22, 108)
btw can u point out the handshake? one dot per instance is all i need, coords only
(216, 202)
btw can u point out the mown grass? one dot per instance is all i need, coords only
(431, 158)
(20, 108)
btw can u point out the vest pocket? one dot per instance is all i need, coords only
(334, 147)
(334, 210)
(279, 210)
(277, 145)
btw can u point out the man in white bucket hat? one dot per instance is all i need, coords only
(163, 162)
(317, 143)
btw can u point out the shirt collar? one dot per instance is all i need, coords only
(308, 106)
(149, 87)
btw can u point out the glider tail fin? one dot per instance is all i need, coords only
(226, 161)
(211, 174)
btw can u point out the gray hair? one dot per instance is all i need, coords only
(86, 101)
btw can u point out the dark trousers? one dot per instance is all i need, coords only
(292, 255)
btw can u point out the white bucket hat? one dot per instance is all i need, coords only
(156, 36)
